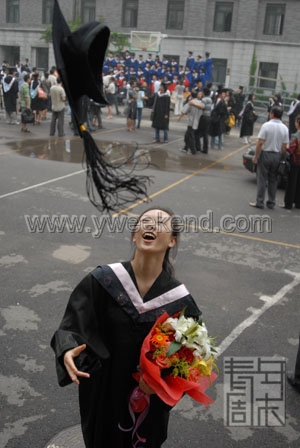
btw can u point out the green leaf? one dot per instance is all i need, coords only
(182, 312)
(173, 348)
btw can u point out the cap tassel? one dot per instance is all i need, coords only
(109, 187)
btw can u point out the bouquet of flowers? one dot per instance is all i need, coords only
(178, 357)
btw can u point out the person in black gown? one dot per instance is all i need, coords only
(110, 312)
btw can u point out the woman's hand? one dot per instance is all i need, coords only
(72, 370)
(145, 388)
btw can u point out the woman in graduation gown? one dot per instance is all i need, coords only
(161, 113)
(110, 312)
(249, 117)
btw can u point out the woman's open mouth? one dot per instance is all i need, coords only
(149, 236)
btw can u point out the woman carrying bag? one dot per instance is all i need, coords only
(292, 193)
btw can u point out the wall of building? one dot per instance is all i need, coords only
(197, 35)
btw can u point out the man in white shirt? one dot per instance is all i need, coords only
(58, 98)
(273, 139)
(193, 109)
(52, 78)
(156, 84)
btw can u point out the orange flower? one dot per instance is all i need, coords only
(159, 339)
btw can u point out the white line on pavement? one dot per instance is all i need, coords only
(42, 183)
(256, 313)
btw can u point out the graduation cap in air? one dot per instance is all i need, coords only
(79, 57)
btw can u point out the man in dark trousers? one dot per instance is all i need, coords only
(294, 379)
(58, 98)
(273, 139)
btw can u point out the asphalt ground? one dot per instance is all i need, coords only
(246, 282)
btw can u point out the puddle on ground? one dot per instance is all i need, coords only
(141, 155)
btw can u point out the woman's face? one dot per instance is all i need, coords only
(154, 232)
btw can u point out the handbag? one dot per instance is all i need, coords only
(252, 117)
(27, 116)
(174, 97)
(230, 122)
(42, 93)
(284, 168)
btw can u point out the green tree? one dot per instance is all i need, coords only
(283, 85)
(253, 68)
(72, 24)
(119, 41)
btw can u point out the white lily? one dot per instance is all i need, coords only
(191, 334)
(180, 325)
(203, 351)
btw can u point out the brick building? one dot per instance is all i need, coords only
(232, 31)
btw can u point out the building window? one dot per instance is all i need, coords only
(47, 12)
(223, 16)
(219, 71)
(130, 13)
(175, 14)
(267, 75)
(42, 58)
(12, 11)
(10, 54)
(274, 19)
(88, 11)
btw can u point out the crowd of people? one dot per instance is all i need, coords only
(165, 87)
(23, 89)
(129, 67)
(133, 83)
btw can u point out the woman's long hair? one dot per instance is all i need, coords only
(175, 231)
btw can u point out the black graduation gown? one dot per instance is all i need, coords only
(101, 314)
(247, 120)
(161, 112)
(10, 97)
(218, 116)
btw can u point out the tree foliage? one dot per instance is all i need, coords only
(119, 41)
(72, 24)
(253, 68)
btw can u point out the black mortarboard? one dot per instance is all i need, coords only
(79, 59)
